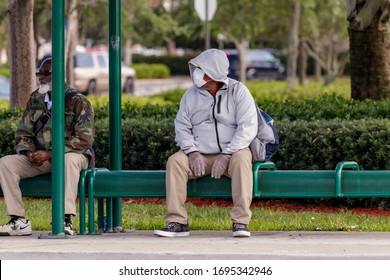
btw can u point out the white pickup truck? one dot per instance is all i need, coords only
(92, 76)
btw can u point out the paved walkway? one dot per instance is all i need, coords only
(217, 245)
(146, 87)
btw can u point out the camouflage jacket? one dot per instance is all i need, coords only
(79, 125)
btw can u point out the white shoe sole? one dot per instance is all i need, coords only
(241, 233)
(69, 232)
(163, 233)
(16, 233)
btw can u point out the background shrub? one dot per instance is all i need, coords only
(321, 145)
(4, 71)
(305, 145)
(151, 71)
(7, 136)
(178, 65)
(317, 131)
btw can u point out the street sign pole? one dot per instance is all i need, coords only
(207, 26)
(206, 10)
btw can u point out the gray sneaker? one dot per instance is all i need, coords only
(240, 230)
(173, 230)
(16, 227)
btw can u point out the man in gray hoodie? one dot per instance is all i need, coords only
(215, 124)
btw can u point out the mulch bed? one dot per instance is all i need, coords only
(274, 204)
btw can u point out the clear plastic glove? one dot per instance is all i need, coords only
(219, 166)
(197, 164)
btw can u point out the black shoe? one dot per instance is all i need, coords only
(240, 230)
(172, 230)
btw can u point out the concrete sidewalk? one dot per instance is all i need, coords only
(218, 245)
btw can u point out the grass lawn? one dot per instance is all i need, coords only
(151, 216)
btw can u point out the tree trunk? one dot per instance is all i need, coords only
(22, 64)
(37, 38)
(370, 69)
(127, 54)
(293, 42)
(317, 70)
(302, 64)
(369, 55)
(71, 40)
(37, 41)
(171, 47)
(241, 47)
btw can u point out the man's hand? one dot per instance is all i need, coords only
(197, 165)
(219, 166)
(39, 157)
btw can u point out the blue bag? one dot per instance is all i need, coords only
(266, 142)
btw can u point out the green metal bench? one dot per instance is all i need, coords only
(268, 183)
(102, 184)
(40, 187)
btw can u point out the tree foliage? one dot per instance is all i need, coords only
(244, 24)
(240, 22)
(324, 36)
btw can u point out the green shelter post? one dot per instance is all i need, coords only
(115, 100)
(115, 106)
(58, 158)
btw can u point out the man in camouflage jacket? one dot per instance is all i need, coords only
(33, 148)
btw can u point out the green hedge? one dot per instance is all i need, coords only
(305, 145)
(131, 110)
(4, 71)
(316, 134)
(178, 65)
(326, 107)
(7, 136)
(151, 71)
(320, 145)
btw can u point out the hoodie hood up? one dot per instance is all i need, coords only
(213, 62)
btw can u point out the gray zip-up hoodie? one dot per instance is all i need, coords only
(224, 123)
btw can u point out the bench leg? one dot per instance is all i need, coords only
(83, 178)
(91, 206)
(117, 214)
(109, 205)
(102, 227)
(91, 200)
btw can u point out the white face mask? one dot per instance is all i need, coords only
(197, 77)
(44, 88)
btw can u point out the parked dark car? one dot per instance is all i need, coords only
(259, 64)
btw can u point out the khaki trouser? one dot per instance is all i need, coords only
(16, 167)
(239, 170)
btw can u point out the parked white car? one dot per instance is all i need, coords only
(92, 75)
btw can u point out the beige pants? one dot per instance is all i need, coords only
(239, 170)
(16, 167)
